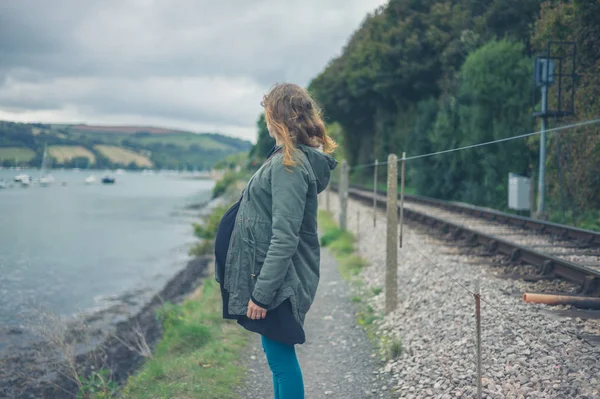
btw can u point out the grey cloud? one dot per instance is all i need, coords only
(140, 57)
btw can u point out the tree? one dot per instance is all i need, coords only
(264, 143)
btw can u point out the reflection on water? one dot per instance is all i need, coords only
(75, 247)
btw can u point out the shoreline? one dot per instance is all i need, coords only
(99, 339)
(25, 375)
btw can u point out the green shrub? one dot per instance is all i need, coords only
(98, 385)
(202, 248)
(223, 184)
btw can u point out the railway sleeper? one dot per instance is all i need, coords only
(591, 286)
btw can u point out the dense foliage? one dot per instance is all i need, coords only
(264, 142)
(430, 75)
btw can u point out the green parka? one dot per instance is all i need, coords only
(274, 251)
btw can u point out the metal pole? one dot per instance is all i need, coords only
(402, 196)
(375, 194)
(478, 321)
(542, 176)
(391, 258)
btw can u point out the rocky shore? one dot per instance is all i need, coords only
(40, 371)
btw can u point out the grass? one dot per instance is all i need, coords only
(198, 356)
(63, 153)
(20, 154)
(122, 156)
(342, 245)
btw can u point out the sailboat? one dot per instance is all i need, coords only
(45, 179)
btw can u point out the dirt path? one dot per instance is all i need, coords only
(337, 360)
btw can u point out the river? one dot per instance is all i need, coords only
(74, 248)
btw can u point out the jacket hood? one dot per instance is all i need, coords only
(322, 165)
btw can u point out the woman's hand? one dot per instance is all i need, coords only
(255, 312)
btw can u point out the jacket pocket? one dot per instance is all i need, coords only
(255, 253)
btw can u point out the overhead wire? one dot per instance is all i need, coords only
(467, 147)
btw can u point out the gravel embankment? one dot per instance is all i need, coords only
(529, 351)
(337, 360)
(567, 250)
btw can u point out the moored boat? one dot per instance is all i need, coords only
(108, 180)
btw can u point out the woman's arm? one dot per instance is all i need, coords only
(289, 186)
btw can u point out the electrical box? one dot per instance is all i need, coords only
(519, 190)
(544, 71)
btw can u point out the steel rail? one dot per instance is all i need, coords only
(586, 237)
(548, 265)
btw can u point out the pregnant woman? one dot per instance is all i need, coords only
(267, 247)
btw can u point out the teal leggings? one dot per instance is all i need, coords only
(287, 376)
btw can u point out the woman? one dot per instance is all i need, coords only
(267, 247)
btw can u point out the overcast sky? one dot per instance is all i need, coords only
(198, 65)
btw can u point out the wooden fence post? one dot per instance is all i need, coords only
(375, 194)
(344, 195)
(391, 258)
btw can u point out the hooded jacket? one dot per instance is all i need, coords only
(274, 251)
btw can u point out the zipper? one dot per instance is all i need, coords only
(253, 274)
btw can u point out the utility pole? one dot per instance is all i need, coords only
(542, 175)
(557, 65)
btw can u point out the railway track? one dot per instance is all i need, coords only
(557, 251)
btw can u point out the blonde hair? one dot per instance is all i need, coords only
(296, 119)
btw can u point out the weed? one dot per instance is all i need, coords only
(98, 385)
(395, 348)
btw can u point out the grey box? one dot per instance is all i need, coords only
(519, 189)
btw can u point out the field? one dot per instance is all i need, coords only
(184, 140)
(20, 154)
(64, 153)
(121, 129)
(123, 156)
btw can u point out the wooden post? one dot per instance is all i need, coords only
(358, 230)
(375, 194)
(402, 196)
(344, 195)
(478, 332)
(391, 258)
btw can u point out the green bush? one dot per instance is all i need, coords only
(202, 248)
(224, 183)
(208, 229)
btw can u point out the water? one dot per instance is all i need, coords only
(74, 248)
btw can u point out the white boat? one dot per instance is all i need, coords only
(3, 184)
(21, 177)
(45, 179)
(120, 172)
(91, 179)
(26, 181)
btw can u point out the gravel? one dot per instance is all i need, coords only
(338, 360)
(567, 250)
(528, 351)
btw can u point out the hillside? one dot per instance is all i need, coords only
(114, 146)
